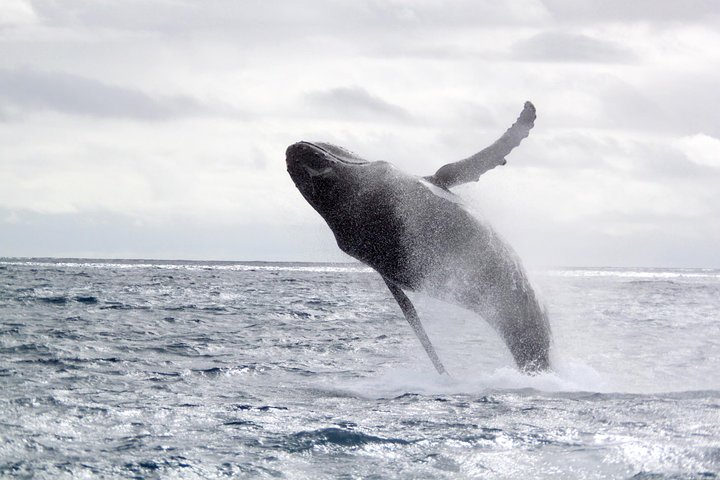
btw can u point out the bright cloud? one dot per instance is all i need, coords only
(701, 149)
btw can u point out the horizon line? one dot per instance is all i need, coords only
(311, 262)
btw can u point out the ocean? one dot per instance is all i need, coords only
(179, 369)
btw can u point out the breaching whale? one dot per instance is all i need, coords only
(419, 237)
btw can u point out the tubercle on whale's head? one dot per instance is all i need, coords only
(323, 173)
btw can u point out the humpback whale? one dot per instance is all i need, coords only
(419, 237)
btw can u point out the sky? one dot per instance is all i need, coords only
(158, 128)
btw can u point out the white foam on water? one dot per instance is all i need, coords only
(570, 376)
(636, 273)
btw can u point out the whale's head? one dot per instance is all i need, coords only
(326, 175)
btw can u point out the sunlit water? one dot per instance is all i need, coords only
(201, 370)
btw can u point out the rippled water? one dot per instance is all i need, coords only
(201, 370)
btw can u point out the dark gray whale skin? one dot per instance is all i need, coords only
(419, 237)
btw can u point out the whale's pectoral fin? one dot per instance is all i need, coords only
(470, 169)
(412, 317)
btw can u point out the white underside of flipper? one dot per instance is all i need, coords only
(440, 192)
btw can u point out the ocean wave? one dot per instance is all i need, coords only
(699, 273)
(193, 266)
(87, 299)
(333, 437)
(55, 299)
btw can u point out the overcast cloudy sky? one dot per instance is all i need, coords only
(157, 128)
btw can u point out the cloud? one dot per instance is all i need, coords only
(701, 149)
(283, 19)
(355, 103)
(32, 90)
(425, 14)
(689, 100)
(568, 47)
(636, 10)
(678, 103)
(201, 168)
(111, 235)
(14, 13)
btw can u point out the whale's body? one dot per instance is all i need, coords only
(419, 237)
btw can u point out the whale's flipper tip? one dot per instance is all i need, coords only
(528, 115)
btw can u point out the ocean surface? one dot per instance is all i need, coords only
(175, 369)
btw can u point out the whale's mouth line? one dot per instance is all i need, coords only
(332, 155)
(318, 147)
